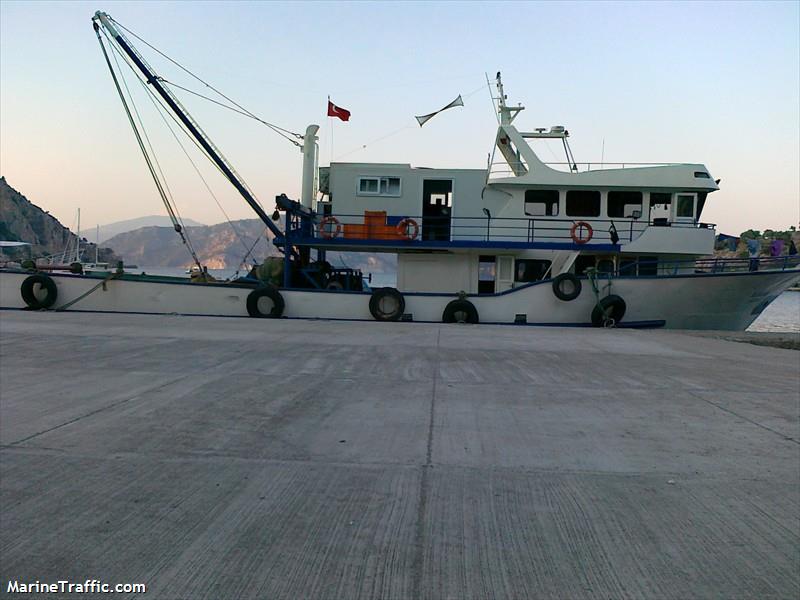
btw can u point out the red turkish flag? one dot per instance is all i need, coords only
(338, 111)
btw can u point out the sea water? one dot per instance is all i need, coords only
(783, 315)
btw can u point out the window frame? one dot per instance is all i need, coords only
(548, 204)
(622, 214)
(665, 196)
(692, 197)
(380, 180)
(521, 262)
(599, 210)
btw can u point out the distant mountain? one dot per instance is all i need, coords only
(22, 221)
(111, 229)
(218, 247)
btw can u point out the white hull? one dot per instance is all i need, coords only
(728, 301)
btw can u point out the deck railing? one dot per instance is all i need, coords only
(411, 229)
(501, 169)
(704, 265)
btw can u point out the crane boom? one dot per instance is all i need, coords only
(183, 115)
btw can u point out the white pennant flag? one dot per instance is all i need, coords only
(425, 118)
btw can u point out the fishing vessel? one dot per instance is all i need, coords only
(519, 242)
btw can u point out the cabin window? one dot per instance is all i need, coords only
(541, 203)
(685, 206)
(664, 198)
(660, 203)
(642, 265)
(660, 198)
(702, 175)
(486, 274)
(390, 186)
(368, 185)
(583, 262)
(379, 186)
(529, 269)
(625, 204)
(605, 265)
(648, 265)
(583, 203)
(627, 266)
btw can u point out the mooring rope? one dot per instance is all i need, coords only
(95, 288)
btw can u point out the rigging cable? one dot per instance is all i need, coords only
(383, 137)
(178, 227)
(390, 134)
(169, 114)
(236, 110)
(228, 171)
(492, 98)
(172, 206)
(161, 110)
(172, 211)
(272, 126)
(248, 251)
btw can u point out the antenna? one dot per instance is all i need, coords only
(502, 97)
(507, 115)
(491, 96)
(602, 153)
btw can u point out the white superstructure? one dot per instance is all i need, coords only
(519, 211)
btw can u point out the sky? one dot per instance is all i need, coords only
(713, 83)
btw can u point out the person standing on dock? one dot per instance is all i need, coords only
(753, 247)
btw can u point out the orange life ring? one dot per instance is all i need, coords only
(329, 232)
(408, 228)
(573, 233)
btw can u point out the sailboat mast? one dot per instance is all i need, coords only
(78, 241)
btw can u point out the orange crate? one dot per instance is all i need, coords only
(374, 218)
(382, 232)
(355, 231)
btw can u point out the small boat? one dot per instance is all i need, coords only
(519, 242)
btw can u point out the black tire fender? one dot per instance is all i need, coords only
(558, 287)
(609, 311)
(377, 310)
(460, 311)
(28, 296)
(270, 292)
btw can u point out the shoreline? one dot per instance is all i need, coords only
(774, 339)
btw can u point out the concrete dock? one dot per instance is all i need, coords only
(238, 458)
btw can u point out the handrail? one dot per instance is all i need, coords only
(524, 229)
(624, 164)
(502, 168)
(709, 264)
